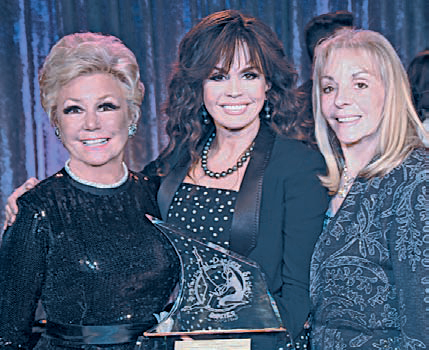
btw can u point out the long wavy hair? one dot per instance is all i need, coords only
(215, 39)
(400, 124)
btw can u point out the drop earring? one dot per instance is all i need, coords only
(205, 115)
(267, 110)
(57, 133)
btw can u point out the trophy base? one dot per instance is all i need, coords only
(273, 339)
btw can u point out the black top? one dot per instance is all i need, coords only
(370, 270)
(206, 213)
(278, 215)
(89, 254)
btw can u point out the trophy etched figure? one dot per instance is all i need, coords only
(223, 302)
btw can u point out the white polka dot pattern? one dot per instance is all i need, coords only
(205, 212)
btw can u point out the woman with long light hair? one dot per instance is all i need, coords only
(368, 269)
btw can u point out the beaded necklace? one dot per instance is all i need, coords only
(242, 159)
(96, 184)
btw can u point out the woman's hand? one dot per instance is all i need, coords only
(11, 206)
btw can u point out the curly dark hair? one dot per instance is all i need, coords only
(324, 25)
(215, 39)
(418, 73)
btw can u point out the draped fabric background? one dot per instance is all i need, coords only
(152, 30)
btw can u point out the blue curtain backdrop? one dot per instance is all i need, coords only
(152, 29)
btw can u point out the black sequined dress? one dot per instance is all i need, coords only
(92, 258)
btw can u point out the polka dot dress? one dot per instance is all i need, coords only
(205, 212)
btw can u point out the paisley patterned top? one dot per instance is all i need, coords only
(370, 267)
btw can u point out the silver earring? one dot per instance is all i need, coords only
(132, 129)
(205, 115)
(267, 110)
(57, 133)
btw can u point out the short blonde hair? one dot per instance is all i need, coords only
(399, 125)
(81, 54)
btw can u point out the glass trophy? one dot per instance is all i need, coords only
(223, 302)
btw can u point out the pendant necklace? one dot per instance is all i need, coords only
(347, 183)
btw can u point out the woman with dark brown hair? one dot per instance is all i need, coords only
(231, 173)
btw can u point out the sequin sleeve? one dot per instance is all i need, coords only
(22, 265)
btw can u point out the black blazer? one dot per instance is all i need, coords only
(278, 216)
